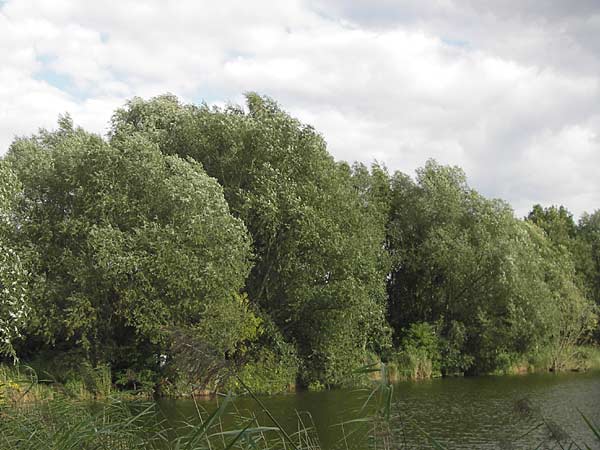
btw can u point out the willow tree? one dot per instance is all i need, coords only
(320, 267)
(573, 257)
(492, 284)
(13, 278)
(126, 244)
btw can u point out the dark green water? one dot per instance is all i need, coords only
(462, 413)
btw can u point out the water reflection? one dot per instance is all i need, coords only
(462, 413)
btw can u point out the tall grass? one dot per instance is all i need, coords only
(19, 384)
(58, 422)
(581, 358)
(61, 424)
(22, 383)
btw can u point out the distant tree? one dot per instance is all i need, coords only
(557, 223)
(465, 263)
(587, 256)
(577, 243)
(126, 243)
(569, 316)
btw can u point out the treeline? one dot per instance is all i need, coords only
(197, 241)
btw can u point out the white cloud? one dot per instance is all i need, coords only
(510, 94)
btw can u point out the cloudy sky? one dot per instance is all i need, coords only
(507, 89)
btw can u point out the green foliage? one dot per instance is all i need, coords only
(231, 330)
(19, 384)
(495, 285)
(270, 371)
(572, 317)
(125, 243)
(197, 243)
(567, 260)
(451, 345)
(587, 257)
(317, 230)
(141, 381)
(13, 304)
(270, 364)
(557, 223)
(97, 380)
(419, 355)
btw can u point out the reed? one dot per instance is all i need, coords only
(59, 422)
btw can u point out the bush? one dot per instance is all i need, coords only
(419, 356)
(269, 373)
(271, 363)
(454, 360)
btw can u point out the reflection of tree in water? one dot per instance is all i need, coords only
(551, 434)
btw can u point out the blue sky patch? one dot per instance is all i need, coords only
(59, 80)
(455, 42)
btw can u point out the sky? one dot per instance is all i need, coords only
(509, 90)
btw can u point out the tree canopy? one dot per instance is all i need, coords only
(465, 263)
(125, 242)
(230, 236)
(13, 305)
(320, 267)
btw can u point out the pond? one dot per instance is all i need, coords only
(462, 413)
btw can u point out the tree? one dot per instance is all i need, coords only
(557, 223)
(575, 260)
(572, 317)
(587, 257)
(126, 243)
(320, 264)
(13, 280)
(465, 263)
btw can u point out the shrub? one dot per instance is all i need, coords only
(419, 356)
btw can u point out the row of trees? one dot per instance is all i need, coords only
(236, 230)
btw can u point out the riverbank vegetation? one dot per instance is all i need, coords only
(59, 421)
(196, 243)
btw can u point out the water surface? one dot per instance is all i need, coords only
(462, 413)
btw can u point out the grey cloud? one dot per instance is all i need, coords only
(562, 33)
(508, 90)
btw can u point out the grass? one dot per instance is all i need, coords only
(37, 415)
(583, 358)
(61, 424)
(590, 356)
(20, 384)
(53, 420)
